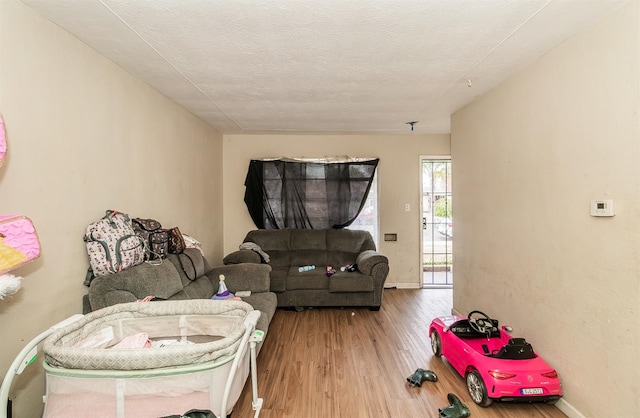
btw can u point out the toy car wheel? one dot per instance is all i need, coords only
(436, 344)
(477, 389)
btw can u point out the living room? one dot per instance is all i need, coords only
(528, 157)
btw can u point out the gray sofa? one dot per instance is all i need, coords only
(184, 276)
(289, 249)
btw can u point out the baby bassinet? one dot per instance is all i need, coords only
(201, 356)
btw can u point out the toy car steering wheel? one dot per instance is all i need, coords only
(483, 325)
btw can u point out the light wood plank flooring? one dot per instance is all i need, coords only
(353, 363)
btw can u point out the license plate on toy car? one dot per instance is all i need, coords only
(531, 391)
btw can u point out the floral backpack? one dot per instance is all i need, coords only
(112, 244)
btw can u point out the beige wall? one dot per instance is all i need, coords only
(84, 136)
(398, 183)
(527, 159)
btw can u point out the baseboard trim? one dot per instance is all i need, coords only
(402, 286)
(568, 409)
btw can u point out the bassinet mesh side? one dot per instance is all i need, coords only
(142, 393)
(221, 319)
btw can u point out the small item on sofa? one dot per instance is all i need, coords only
(306, 268)
(349, 268)
(330, 271)
(112, 244)
(156, 239)
(176, 241)
(243, 293)
(223, 292)
(191, 242)
(230, 297)
(255, 247)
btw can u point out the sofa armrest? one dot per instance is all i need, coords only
(368, 259)
(137, 282)
(242, 256)
(245, 276)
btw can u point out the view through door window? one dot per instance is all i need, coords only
(437, 223)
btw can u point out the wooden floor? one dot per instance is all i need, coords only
(353, 363)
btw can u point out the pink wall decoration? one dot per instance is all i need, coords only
(3, 141)
(19, 242)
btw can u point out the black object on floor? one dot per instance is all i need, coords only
(420, 376)
(456, 410)
(195, 413)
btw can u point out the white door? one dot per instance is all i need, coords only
(437, 223)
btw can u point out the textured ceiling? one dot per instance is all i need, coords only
(324, 65)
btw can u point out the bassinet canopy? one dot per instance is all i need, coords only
(216, 326)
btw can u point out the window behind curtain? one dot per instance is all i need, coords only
(307, 193)
(367, 219)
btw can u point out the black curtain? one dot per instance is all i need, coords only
(307, 195)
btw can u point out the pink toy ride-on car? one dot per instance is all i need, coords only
(495, 365)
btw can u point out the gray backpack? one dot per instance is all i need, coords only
(112, 244)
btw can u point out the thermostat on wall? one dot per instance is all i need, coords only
(602, 208)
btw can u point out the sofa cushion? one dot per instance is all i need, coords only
(279, 258)
(308, 239)
(270, 239)
(250, 276)
(349, 241)
(279, 279)
(314, 279)
(338, 259)
(350, 282)
(190, 265)
(162, 281)
(201, 288)
(300, 258)
(308, 247)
